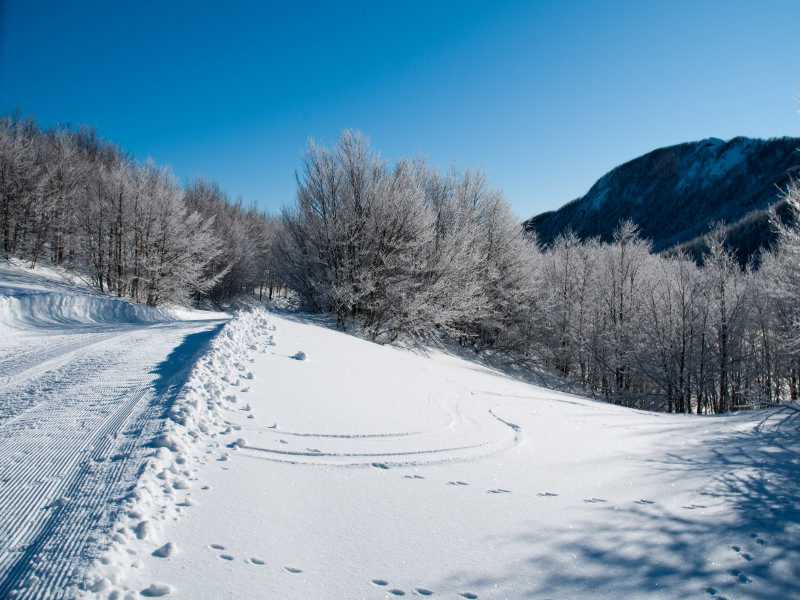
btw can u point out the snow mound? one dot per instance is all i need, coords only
(194, 420)
(26, 309)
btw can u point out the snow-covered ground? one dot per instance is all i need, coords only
(370, 472)
(273, 457)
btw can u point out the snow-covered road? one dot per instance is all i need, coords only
(75, 400)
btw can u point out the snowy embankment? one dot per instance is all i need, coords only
(364, 471)
(47, 298)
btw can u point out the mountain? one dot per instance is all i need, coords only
(675, 194)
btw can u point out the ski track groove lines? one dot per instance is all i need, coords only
(482, 433)
(74, 417)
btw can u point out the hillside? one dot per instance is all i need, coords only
(676, 193)
(144, 456)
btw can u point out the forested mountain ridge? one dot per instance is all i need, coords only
(675, 194)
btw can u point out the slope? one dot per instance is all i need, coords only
(676, 193)
(359, 471)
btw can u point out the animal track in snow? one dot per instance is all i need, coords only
(256, 561)
(380, 582)
(415, 476)
(396, 592)
(594, 500)
(156, 590)
(379, 465)
(226, 557)
(547, 494)
(643, 501)
(165, 551)
(741, 577)
(469, 595)
(216, 547)
(423, 591)
(499, 491)
(457, 483)
(293, 570)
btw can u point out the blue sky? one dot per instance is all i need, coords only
(544, 97)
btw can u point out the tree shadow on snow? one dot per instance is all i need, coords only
(740, 540)
(174, 370)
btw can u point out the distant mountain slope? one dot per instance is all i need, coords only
(676, 193)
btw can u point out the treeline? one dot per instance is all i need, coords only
(402, 250)
(661, 332)
(72, 199)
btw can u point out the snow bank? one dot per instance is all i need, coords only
(41, 309)
(184, 442)
(50, 297)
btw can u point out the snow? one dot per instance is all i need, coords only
(375, 472)
(145, 456)
(84, 380)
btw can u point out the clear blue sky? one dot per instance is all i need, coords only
(544, 97)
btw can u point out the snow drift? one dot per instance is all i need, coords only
(25, 309)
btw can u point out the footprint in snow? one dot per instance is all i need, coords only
(643, 501)
(156, 590)
(499, 491)
(469, 595)
(413, 477)
(396, 592)
(694, 506)
(594, 500)
(380, 582)
(216, 547)
(457, 483)
(741, 577)
(256, 561)
(547, 494)
(379, 465)
(423, 591)
(293, 570)
(226, 557)
(165, 551)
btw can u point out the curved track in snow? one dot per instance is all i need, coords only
(472, 433)
(77, 404)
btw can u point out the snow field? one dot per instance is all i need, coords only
(369, 472)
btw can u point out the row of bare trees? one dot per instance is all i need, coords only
(660, 331)
(403, 250)
(70, 199)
